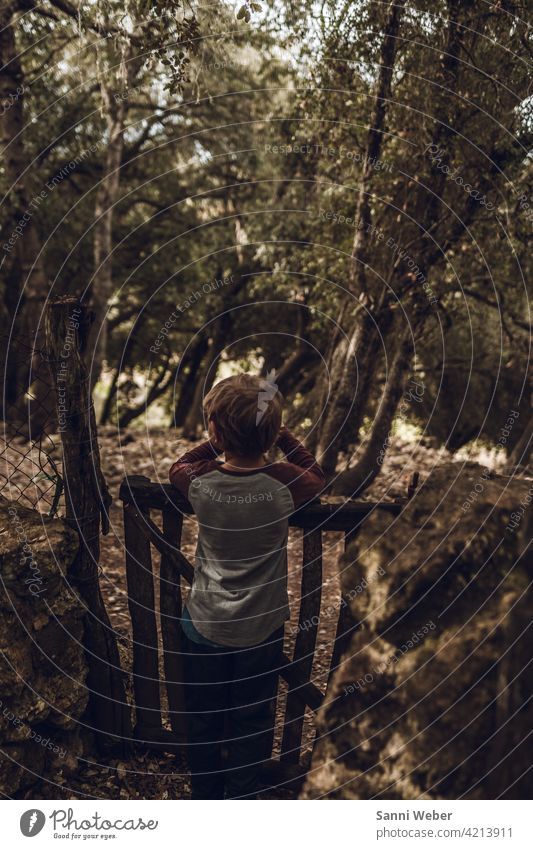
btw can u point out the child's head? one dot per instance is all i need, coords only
(246, 412)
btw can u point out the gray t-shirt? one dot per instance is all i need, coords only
(239, 592)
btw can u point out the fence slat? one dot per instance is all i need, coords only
(327, 516)
(141, 603)
(170, 613)
(311, 592)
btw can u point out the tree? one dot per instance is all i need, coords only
(409, 228)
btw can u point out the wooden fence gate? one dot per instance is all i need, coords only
(141, 497)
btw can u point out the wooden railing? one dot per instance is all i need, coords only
(141, 497)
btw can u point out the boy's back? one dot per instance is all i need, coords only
(239, 594)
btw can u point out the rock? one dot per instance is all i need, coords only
(433, 697)
(42, 663)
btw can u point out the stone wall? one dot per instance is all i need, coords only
(433, 698)
(42, 662)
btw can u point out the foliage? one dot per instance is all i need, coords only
(243, 147)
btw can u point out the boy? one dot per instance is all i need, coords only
(233, 620)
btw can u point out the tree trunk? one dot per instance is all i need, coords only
(349, 386)
(382, 94)
(522, 451)
(220, 334)
(111, 395)
(157, 389)
(205, 378)
(34, 401)
(87, 503)
(121, 365)
(356, 363)
(289, 375)
(189, 366)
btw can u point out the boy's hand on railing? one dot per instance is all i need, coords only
(283, 431)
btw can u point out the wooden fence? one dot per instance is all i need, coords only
(141, 498)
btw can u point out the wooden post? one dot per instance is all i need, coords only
(87, 502)
(170, 614)
(345, 624)
(305, 643)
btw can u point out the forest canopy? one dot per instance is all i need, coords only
(339, 194)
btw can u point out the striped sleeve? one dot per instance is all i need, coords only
(301, 474)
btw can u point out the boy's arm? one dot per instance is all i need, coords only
(205, 451)
(306, 480)
(297, 453)
(195, 462)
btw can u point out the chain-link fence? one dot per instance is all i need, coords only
(30, 445)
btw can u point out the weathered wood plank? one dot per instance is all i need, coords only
(307, 692)
(311, 592)
(140, 517)
(170, 613)
(141, 604)
(329, 517)
(345, 623)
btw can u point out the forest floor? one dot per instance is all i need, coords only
(163, 776)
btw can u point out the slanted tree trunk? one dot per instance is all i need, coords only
(368, 465)
(123, 362)
(354, 366)
(159, 386)
(101, 287)
(289, 375)
(348, 389)
(207, 374)
(218, 341)
(357, 357)
(111, 394)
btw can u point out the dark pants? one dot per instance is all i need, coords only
(230, 701)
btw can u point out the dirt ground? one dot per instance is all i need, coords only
(152, 776)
